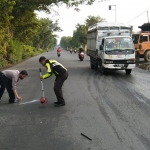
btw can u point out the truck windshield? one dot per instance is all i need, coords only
(119, 43)
(144, 38)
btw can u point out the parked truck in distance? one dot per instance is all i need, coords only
(110, 46)
(141, 42)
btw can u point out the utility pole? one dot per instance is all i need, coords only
(110, 8)
(147, 17)
(115, 14)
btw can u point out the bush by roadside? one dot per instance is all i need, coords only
(16, 52)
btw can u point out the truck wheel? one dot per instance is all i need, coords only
(96, 66)
(128, 71)
(92, 66)
(147, 56)
(137, 57)
(103, 70)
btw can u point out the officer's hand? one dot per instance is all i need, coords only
(41, 77)
(19, 98)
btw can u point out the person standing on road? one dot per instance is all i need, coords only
(8, 80)
(61, 73)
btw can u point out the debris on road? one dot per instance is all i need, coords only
(86, 136)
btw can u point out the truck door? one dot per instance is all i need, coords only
(145, 41)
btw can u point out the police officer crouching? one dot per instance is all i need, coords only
(61, 73)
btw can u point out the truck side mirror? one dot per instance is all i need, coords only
(101, 47)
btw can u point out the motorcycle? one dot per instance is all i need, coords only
(81, 56)
(58, 54)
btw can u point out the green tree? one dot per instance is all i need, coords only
(47, 4)
(79, 38)
(24, 27)
(45, 38)
(80, 34)
(20, 29)
(65, 42)
(6, 8)
(75, 39)
(91, 20)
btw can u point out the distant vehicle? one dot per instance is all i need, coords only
(71, 50)
(141, 42)
(81, 53)
(81, 56)
(75, 51)
(58, 52)
(110, 46)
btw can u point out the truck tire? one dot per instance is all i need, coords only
(137, 57)
(147, 56)
(128, 71)
(96, 67)
(92, 66)
(103, 70)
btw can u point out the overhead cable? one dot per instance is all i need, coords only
(139, 15)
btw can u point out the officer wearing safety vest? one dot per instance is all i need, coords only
(58, 70)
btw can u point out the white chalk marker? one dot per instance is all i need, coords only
(30, 102)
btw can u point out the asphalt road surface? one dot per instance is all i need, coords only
(113, 109)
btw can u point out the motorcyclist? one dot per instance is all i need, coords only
(80, 49)
(81, 53)
(75, 50)
(71, 50)
(58, 50)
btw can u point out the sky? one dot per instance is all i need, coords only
(132, 12)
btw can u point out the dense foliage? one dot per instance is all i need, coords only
(22, 35)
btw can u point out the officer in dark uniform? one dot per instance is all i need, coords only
(61, 73)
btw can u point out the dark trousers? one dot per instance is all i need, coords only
(6, 83)
(58, 87)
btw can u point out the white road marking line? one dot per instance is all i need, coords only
(30, 102)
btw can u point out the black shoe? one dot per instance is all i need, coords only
(59, 104)
(56, 103)
(14, 101)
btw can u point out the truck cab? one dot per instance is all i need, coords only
(141, 42)
(117, 52)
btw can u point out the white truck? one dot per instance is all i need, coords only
(110, 46)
